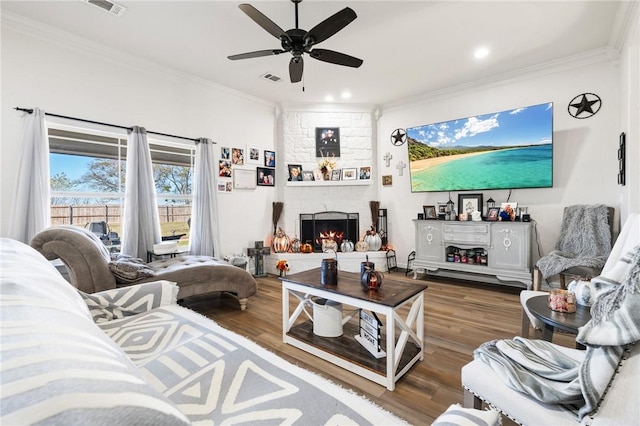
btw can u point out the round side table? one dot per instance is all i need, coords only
(539, 308)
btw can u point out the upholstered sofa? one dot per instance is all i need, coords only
(92, 269)
(133, 356)
(619, 404)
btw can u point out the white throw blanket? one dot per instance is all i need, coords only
(585, 240)
(538, 369)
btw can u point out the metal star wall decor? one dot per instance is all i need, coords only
(398, 137)
(584, 105)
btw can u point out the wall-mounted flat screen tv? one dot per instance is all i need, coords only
(503, 150)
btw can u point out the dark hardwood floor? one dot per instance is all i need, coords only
(459, 316)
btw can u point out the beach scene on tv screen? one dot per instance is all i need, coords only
(501, 150)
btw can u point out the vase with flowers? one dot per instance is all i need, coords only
(282, 266)
(325, 166)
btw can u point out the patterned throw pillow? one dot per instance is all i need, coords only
(123, 302)
(128, 271)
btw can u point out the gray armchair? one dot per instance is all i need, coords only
(90, 267)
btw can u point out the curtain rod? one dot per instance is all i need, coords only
(30, 111)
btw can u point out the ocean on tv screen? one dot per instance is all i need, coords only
(508, 149)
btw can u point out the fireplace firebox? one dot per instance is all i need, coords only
(339, 226)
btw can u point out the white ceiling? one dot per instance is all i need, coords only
(409, 48)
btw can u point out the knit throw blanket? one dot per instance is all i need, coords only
(585, 240)
(576, 380)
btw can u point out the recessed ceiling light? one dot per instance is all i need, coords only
(328, 98)
(481, 52)
(345, 95)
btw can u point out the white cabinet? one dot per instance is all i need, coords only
(494, 252)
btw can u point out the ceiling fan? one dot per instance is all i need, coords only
(298, 41)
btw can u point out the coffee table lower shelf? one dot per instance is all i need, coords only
(357, 359)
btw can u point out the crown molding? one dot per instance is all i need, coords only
(63, 39)
(595, 56)
(628, 12)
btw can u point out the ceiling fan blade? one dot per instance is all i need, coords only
(335, 58)
(260, 19)
(330, 26)
(296, 66)
(256, 54)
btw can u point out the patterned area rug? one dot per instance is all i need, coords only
(218, 377)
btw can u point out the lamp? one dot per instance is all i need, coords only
(490, 204)
(451, 214)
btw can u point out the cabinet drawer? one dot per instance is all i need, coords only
(482, 239)
(466, 233)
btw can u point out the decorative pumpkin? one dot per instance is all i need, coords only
(295, 245)
(362, 246)
(281, 242)
(306, 247)
(346, 246)
(373, 239)
(371, 279)
(329, 244)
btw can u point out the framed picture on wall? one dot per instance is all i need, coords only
(254, 154)
(237, 156)
(244, 179)
(327, 142)
(269, 158)
(265, 176)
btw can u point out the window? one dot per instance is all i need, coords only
(88, 180)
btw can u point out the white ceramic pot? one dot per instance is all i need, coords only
(583, 290)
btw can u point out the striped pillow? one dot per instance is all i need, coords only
(456, 415)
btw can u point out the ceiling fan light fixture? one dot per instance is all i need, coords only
(298, 41)
(345, 95)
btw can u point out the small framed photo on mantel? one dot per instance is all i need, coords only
(430, 212)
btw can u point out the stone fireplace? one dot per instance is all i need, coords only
(339, 226)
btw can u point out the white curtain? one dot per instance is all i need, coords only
(32, 203)
(141, 228)
(204, 221)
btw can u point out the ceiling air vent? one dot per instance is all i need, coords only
(108, 6)
(271, 77)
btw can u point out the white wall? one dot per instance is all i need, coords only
(584, 151)
(630, 109)
(61, 75)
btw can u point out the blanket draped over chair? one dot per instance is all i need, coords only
(585, 240)
(538, 369)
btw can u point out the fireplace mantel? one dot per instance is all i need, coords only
(347, 262)
(358, 182)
